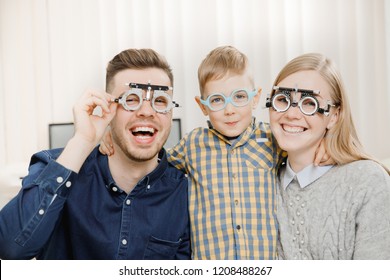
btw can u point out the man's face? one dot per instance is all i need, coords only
(140, 134)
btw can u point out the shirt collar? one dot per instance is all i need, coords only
(304, 177)
(242, 138)
(148, 179)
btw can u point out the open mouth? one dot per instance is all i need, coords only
(143, 132)
(293, 129)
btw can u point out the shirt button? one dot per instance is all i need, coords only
(236, 202)
(238, 227)
(128, 202)
(60, 180)
(124, 241)
(232, 152)
(41, 212)
(114, 189)
(68, 184)
(234, 175)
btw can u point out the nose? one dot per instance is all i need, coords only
(229, 109)
(293, 112)
(146, 109)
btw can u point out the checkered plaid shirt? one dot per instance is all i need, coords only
(231, 192)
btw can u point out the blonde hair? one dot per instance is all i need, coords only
(220, 62)
(341, 141)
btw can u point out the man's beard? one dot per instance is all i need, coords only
(135, 153)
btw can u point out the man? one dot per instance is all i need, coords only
(79, 204)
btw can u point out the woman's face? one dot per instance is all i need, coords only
(296, 133)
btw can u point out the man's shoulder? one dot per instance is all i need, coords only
(173, 173)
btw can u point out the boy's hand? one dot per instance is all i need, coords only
(322, 157)
(106, 147)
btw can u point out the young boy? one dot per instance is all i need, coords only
(231, 165)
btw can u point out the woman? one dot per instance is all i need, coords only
(326, 212)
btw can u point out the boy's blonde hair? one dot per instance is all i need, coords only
(342, 142)
(220, 62)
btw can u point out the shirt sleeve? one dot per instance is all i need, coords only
(177, 155)
(29, 219)
(373, 217)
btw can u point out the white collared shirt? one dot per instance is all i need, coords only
(304, 177)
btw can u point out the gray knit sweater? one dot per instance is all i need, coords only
(344, 214)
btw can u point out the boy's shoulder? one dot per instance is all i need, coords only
(263, 128)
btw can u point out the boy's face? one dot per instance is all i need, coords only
(230, 121)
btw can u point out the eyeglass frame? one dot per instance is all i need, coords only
(305, 93)
(228, 99)
(157, 92)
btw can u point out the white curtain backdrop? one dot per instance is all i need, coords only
(52, 50)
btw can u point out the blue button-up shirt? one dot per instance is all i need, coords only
(59, 214)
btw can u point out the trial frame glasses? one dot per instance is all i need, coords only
(160, 100)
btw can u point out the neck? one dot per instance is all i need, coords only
(127, 172)
(298, 161)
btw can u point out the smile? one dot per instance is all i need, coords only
(143, 131)
(293, 129)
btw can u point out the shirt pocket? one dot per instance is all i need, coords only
(259, 155)
(159, 249)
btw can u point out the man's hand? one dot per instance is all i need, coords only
(89, 127)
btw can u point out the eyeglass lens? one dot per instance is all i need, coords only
(219, 101)
(307, 104)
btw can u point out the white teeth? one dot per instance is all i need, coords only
(143, 129)
(293, 129)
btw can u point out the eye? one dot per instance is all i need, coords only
(217, 99)
(240, 95)
(281, 98)
(309, 102)
(132, 98)
(161, 100)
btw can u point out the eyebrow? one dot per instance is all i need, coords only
(309, 91)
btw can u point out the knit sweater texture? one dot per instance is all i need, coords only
(344, 214)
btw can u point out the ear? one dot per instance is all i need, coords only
(256, 99)
(334, 117)
(201, 106)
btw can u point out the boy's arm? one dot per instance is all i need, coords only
(177, 155)
(322, 157)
